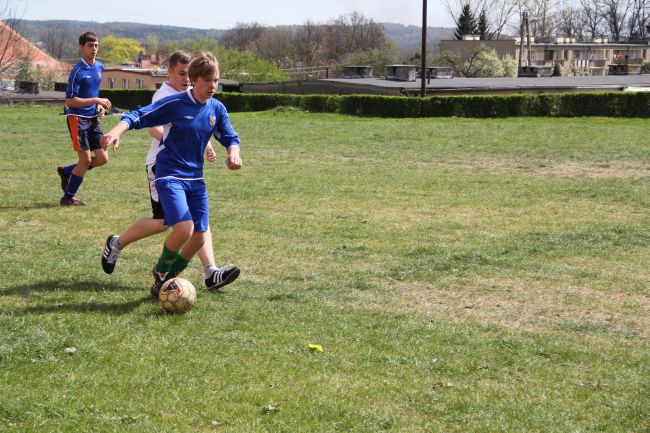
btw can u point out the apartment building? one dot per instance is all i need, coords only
(598, 57)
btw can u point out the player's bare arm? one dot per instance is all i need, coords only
(156, 132)
(210, 154)
(77, 102)
(234, 161)
(113, 136)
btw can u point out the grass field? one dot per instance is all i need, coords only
(461, 275)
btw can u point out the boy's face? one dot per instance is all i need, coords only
(204, 87)
(179, 78)
(89, 50)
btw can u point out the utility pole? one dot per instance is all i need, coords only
(521, 39)
(423, 70)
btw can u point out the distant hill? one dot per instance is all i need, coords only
(408, 38)
(32, 30)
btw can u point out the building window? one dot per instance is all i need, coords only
(548, 55)
(138, 83)
(111, 83)
(125, 83)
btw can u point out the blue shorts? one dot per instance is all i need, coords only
(184, 200)
(85, 132)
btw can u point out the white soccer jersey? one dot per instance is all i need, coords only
(165, 90)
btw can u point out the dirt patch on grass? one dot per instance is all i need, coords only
(522, 305)
(591, 169)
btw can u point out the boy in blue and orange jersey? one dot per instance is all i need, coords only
(84, 108)
(192, 118)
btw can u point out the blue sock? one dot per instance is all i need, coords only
(73, 186)
(67, 170)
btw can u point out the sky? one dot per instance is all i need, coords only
(227, 14)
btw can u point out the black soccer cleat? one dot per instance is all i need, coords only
(222, 277)
(159, 278)
(110, 255)
(71, 201)
(65, 180)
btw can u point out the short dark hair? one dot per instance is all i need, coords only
(88, 37)
(179, 57)
(203, 65)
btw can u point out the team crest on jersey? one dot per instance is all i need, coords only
(213, 120)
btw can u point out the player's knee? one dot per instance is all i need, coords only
(84, 160)
(184, 229)
(100, 159)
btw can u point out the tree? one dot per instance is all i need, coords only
(276, 46)
(483, 27)
(55, 39)
(615, 12)
(246, 66)
(638, 21)
(243, 37)
(24, 69)
(570, 22)
(309, 43)
(466, 23)
(9, 39)
(119, 50)
(235, 64)
(153, 42)
(483, 61)
(592, 17)
(201, 43)
(542, 18)
(353, 33)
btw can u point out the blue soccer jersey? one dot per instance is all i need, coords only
(192, 124)
(84, 82)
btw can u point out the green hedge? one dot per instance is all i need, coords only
(128, 98)
(610, 104)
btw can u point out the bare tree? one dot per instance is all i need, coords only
(569, 22)
(309, 43)
(243, 37)
(615, 12)
(639, 18)
(276, 46)
(543, 18)
(593, 16)
(352, 33)
(55, 39)
(9, 39)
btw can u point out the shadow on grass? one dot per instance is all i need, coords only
(89, 307)
(66, 286)
(32, 206)
(56, 306)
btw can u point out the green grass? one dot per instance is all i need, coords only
(461, 275)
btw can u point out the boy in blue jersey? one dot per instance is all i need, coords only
(215, 277)
(192, 118)
(84, 108)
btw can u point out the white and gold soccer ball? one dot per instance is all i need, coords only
(177, 295)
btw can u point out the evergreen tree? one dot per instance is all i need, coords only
(466, 24)
(483, 26)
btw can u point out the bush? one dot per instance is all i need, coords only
(557, 70)
(128, 98)
(613, 104)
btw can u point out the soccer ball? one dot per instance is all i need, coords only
(177, 295)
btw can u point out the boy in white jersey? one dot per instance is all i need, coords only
(215, 277)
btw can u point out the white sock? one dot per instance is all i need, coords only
(209, 270)
(116, 244)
